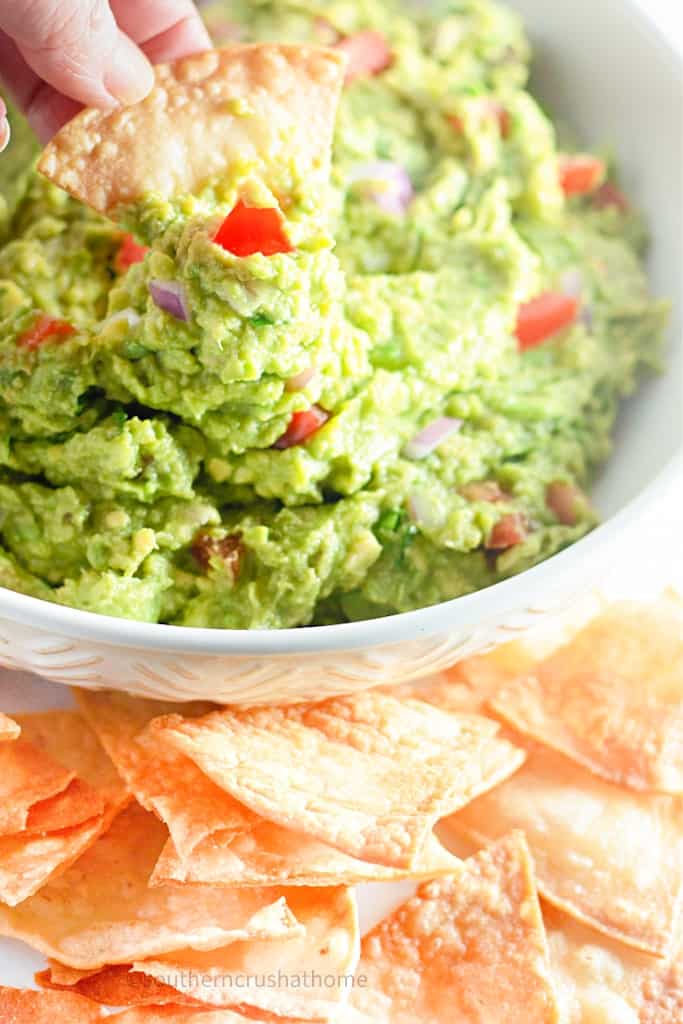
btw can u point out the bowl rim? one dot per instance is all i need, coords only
(469, 610)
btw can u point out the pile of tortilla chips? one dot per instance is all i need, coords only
(192, 863)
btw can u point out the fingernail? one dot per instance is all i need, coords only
(130, 77)
(4, 133)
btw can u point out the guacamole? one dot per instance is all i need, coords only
(402, 400)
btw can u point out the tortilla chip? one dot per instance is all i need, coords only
(27, 776)
(608, 856)
(115, 986)
(78, 803)
(214, 839)
(229, 977)
(65, 736)
(366, 774)
(598, 980)
(184, 1015)
(611, 699)
(24, 1006)
(308, 978)
(29, 862)
(30, 859)
(101, 911)
(469, 948)
(268, 104)
(163, 779)
(9, 729)
(271, 855)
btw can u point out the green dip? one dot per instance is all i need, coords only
(142, 467)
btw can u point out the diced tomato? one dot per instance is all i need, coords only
(228, 550)
(484, 490)
(302, 426)
(456, 123)
(507, 533)
(545, 316)
(565, 501)
(581, 174)
(251, 229)
(44, 328)
(368, 52)
(129, 253)
(609, 195)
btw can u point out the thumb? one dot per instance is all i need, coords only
(77, 47)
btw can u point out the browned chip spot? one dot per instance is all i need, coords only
(102, 911)
(366, 774)
(612, 698)
(116, 986)
(27, 1007)
(469, 948)
(609, 856)
(270, 105)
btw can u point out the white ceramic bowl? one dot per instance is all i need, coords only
(603, 66)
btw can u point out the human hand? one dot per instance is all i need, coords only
(59, 55)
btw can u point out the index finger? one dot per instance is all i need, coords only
(165, 29)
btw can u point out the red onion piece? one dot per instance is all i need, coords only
(301, 380)
(565, 501)
(434, 434)
(171, 297)
(422, 510)
(386, 184)
(572, 283)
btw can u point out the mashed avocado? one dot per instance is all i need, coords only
(405, 406)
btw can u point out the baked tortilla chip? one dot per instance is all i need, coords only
(214, 839)
(27, 776)
(311, 975)
(469, 948)
(101, 911)
(9, 729)
(266, 105)
(184, 1015)
(163, 779)
(113, 986)
(232, 976)
(366, 774)
(611, 699)
(608, 856)
(48, 845)
(599, 980)
(24, 1006)
(271, 855)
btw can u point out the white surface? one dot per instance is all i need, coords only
(650, 555)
